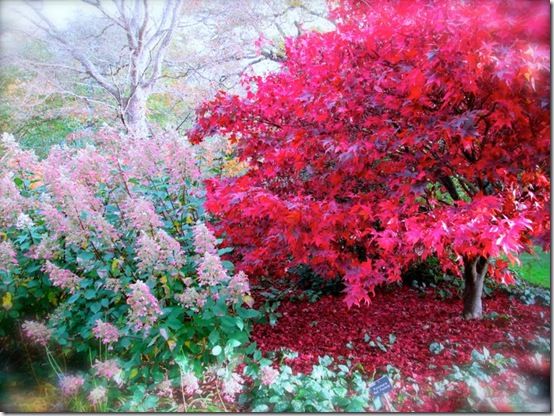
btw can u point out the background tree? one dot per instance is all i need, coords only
(46, 89)
(147, 38)
(414, 129)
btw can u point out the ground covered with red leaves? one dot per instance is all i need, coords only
(416, 319)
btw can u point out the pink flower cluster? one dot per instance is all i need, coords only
(70, 385)
(15, 157)
(189, 382)
(105, 331)
(238, 285)
(269, 375)
(192, 299)
(204, 240)
(164, 389)
(108, 369)
(23, 221)
(158, 252)
(68, 181)
(62, 278)
(83, 212)
(45, 249)
(37, 332)
(7, 256)
(169, 156)
(179, 160)
(90, 166)
(97, 395)
(144, 307)
(56, 221)
(210, 270)
(11, 201)
(232, 385)
(141, 213)
(112, 284)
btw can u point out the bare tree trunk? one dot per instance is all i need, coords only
(134, 113)
(475, 270)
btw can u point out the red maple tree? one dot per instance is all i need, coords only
(415, 129)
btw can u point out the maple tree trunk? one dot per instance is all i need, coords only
(475, 270)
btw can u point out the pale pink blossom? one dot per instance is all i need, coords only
(70, 385)
(238, 285)
(23, 221)
(191, 298)
(97, 395)
(189, 382)
(109, 369)
(105, 331)
(171, 249)
(16, 158)
(148, 251)
(37, 332)
(164, 389)
(141, 214)
(54, 219)
(84, 211)
(167, 156)
(210, 270)
(143, 157)
(45, 249)
(112, 284)
(269, 375)
(62, 278)
(179, 160)
(232, 385)
(11, 201)
(145, 309)
(204, 240)
(159, 252)
(90, 167)
(7, 256)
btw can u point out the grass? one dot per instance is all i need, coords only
(535, 268)
(40, 135)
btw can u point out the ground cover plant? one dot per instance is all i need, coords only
(375, 207)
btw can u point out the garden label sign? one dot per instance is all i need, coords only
(381, 387)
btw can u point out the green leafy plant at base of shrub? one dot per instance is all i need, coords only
(323, 390)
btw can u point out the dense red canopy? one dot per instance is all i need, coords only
(416, 128)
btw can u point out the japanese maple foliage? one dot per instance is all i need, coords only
(416, 128)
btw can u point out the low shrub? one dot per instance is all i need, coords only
(107, 265)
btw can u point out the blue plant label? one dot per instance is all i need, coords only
(380, 386)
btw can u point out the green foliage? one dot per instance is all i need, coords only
(477, 374)
(161, 111)
(379, 343)
(423, 273)
(315, 286)
(45, 125)
(436, 348)
(528, 294)
(328, 388)
(535, 268)
(41, 134)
